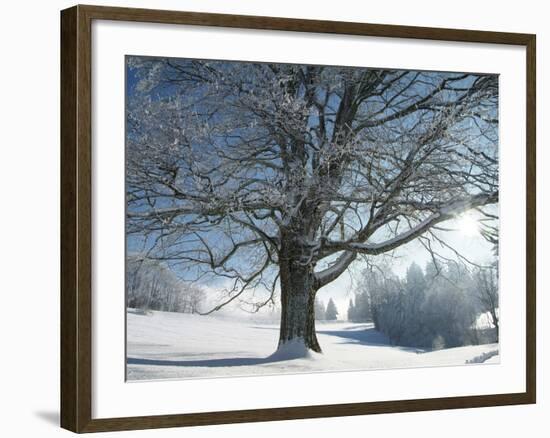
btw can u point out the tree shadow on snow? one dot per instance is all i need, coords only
(224, 362)
(369, 336)
(366, 336)
(363, 334)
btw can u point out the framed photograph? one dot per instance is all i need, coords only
(304, 218)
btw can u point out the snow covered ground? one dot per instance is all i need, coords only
(163, 345)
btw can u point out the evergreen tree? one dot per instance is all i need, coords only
(331, 313)
(362, 307)
(320, 313)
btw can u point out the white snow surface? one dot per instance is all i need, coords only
(163, 345)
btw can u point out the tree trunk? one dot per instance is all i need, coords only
(495, 323)
(297, 306)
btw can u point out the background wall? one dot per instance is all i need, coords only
(29, 186)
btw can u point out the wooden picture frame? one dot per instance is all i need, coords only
(76, 218)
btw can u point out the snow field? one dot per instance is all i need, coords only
(163, 345)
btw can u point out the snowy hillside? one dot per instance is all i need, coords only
(164, 345)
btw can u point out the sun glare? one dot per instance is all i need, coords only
(467, 225)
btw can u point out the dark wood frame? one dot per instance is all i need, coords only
(76, 218)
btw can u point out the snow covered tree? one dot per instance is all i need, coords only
(151, 285)
(191, 299)
(320, 312)
(415, 287)
(331, 314)
(432, 310)
(278, 176)
(360, 311)
(351, 311)
(486, 285)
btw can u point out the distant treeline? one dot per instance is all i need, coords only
(151, 285)
(436, 308)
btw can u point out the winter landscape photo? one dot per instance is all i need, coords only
(286, 218)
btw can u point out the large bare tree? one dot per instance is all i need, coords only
(278, 177)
